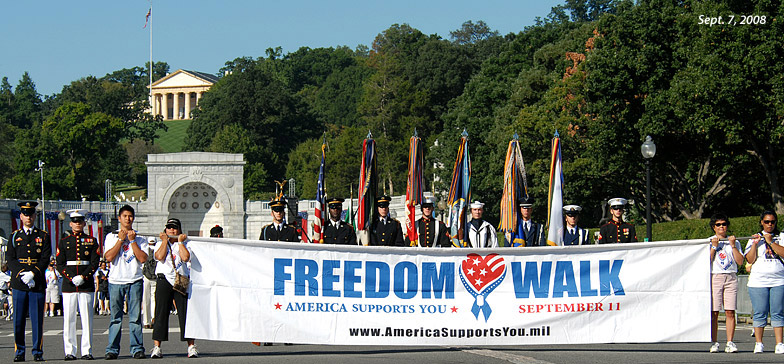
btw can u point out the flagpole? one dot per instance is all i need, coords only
(151, 101)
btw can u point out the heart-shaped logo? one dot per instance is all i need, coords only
(481, 271)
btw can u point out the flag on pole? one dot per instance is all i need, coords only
(555, 197)
(414, 189)
(348, 216)
(368, 188)
(460, 194)
(515, 188)
(147, 18)
(320, 209)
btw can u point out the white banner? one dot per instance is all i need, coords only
(351, 295)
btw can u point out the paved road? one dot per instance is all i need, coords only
(232, 352)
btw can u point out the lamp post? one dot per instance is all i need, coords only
(43, 209)
(648, 150)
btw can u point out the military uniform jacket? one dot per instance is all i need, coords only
(484, 237)
(432, 233)
(78, 254)
(28, 253)
(343, 234)
(534, 235)
(617, 232)
(580, 236)
(287, 233)
(386, 234)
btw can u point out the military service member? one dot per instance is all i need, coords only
(432, 233)
(27, 253)
(216, 232)
(278, 231)
(337, 231)
(573, 234)
(386, 231)
(532, 231)
(481, 234)
(617, 231)
(78, 256)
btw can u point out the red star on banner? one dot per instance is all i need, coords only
(454, 309)
(277, 306)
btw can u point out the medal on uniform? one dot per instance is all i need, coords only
(38, 250)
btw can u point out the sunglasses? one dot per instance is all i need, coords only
(616, 208)
(768, 221)
(172, 227)
(383, 205)
(277, 209)
(718, 224)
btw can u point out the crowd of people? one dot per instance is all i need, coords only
(148, 280)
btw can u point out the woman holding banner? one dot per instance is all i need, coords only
(725, 257)
(766, 281)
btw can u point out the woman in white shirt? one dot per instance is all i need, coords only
(766, 281)
(173, 256)
(725, 257)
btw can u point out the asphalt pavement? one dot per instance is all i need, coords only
(234, 352)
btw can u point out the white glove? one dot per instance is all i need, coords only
(27, 277)
(31, 284)
(78, 281)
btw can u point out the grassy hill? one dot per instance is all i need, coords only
(173, 139)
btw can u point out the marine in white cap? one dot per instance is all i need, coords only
(481, 234)
(78, 256)
(432, 233)
(616, 230)
(573, 234)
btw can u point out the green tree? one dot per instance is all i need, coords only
(26, 103)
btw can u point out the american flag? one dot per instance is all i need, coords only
(318, 235)
(147, 18)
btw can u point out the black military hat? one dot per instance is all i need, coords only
(383, 201)
(277, 204)
(526, 201)
(335, 202)
(27, 207)
(216, 231)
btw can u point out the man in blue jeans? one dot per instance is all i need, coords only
(127, 254)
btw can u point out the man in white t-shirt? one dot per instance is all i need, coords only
(725, 257)
(127, 253)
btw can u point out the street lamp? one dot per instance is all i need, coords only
(648, 150)
(43, 209)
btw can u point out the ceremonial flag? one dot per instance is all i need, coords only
(368, 188)
(16, 222)
(515, 187)
(348, 216)
(555, 197)
(320, 210)
(53, 226)
(414, 188)
(147, 18)
(460, 194)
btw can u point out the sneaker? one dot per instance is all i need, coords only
(730, 347)
(192, 351)
(156, 353)
(779, 348)
(758, 348)
(714, 348)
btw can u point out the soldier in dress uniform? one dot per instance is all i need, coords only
(481, 233)
(78, 256)
(278, 230)
(573, 234)
(432, 233)
(216, 232)
(27, 253)
(617, 231)
(532, 231)
(386, 231)
(337, 231)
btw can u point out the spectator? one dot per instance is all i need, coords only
(127, 254)
(766, 281)
(725, 257)
(173, 256)
(148, 292)
(52, 288)
(5, 292)
(102, 288)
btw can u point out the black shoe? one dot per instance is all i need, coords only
(111, 356)
(87, 357)
(69, 357)
(267, 344)
(19, 358)
(38, 357)
(139, 355)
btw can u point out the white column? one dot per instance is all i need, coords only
(176, 115)
(165, 99)
(198, 97)
(187, 105)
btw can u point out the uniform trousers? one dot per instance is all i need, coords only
(33, 303)
(83, 303)
(164, 293)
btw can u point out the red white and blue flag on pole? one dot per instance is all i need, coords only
(320, 210)
(414, 193)
(147, 18)
(555, 201)
(368, 188)
(460, 194)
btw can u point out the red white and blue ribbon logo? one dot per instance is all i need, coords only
(480, 276)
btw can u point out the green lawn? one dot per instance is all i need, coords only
(172, 140)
